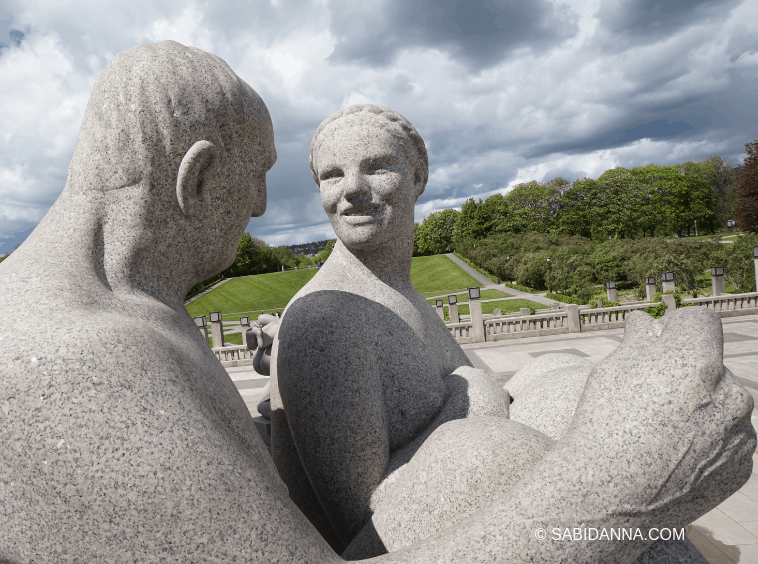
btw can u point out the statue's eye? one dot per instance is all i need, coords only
(331, 174)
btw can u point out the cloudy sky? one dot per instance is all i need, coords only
(502, 91)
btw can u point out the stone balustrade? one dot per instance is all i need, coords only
(550, 322)
(234, 355)
(558, 321)
(598, 318)
(728, 305)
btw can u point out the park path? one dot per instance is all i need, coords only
(487, 283)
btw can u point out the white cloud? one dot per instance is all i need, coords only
(605, 97)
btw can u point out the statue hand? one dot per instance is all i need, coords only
(664, 408)
(264, 330)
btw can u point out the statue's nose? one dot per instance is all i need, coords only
(355, 185)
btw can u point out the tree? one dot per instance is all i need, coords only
(533, 205)
(722, 176)
(435, 234)
(700, 203)
(321, 256)
(747, 191)
(474, 222)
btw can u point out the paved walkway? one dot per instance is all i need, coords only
(489, 284)
(727, 534)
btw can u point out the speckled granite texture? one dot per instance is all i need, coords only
(386, 436)
(122, 439)
(548, 401)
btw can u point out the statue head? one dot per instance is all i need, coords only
(370, 165)
(177, 134)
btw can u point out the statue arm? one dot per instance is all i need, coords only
(332, 396)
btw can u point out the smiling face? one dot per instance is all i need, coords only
(368, 187)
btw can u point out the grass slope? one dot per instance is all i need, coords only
(439, 273)
(250, 293)
(273, 291)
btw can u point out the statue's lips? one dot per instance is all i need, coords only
(358, 215)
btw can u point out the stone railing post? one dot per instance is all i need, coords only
(217, 329)
(440, 311)
(555, 306)
(670, 303)
(718, 283)
(755, 263)
(650, 288)
(244, 327)
(572, 313)
(452, 306)
(667, 282)
(477, 321)
(200, 322)
(610, 290)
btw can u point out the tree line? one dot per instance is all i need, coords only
(646, 201)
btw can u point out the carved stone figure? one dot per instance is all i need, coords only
(122, 439)
(385, 434)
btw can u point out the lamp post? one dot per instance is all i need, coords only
(718, 284)
(650, 288)
(755, 263)
(452, 304)
(548, 277)
(244, 328)
(200, 322)
(667, 282)
(477, 320)
(610, 290)
(440, 311)
(217, 329)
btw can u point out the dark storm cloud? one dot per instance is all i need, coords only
(479, 33)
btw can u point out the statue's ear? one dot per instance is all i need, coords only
(189, 184)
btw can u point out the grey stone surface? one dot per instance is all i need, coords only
(121, 436)
(521, 381)
(549, 402)
(345, 394)
(122, 439)
(672, 552)
(364, 374)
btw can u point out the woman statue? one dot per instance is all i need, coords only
(382, 430)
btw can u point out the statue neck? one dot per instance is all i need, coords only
(390, 263)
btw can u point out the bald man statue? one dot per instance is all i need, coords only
(122, 439)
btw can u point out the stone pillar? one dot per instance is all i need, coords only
(667, 282)
(440, 311)
(497, 313)
(217, 333)
(453, 308)
(574, 325)
(755, 263)
(650, 288)
(670, 303)
(200, 322)
(718, 283)
(525, 311)
(610, 290)
(555, 306)
(244, 327)
(477, 321)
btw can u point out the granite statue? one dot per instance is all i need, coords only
(385, 434)
(122, 439)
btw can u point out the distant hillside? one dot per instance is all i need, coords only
(309, 248)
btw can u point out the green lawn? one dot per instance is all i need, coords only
(249, 293)
(271, 292)
(505, 306)
(485, 295)
(439, 273)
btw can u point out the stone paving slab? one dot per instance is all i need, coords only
(726, 535)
